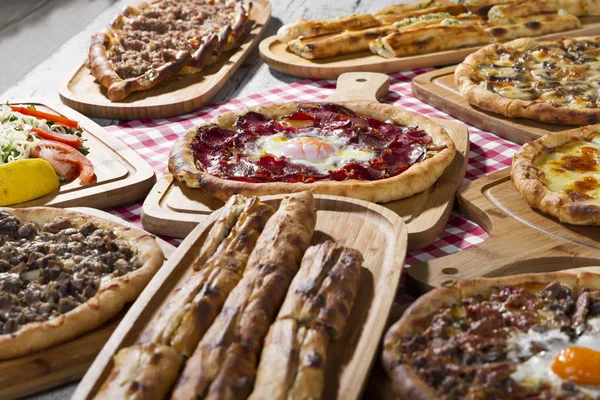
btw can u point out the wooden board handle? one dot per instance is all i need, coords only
(368, 86)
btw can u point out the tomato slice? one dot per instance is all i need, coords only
(65, 160)
(72, 140)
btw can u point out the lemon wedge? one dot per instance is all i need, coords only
(24, 180)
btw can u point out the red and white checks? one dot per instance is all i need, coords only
(153, 139)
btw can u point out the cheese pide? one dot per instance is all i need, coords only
(559, 174)
(554, 82)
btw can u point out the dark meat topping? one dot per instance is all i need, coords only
(153, 38)
(224, 153)
(50, 271)
(463, 351)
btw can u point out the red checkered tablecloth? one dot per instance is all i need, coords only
(153, 139)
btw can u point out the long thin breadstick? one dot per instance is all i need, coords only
(224, 363)
(315, 311)
(190, 309)
(307, 28)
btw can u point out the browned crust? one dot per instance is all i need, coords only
(450, 8)
(307, 28)
(238, 29)
(228, 244)
(406, 383)
(108, 301)
(192, 306)
(417, 178)
(142, 371)
(324, 289)
(515, 108)
(526, 8)
(429, 39)
(416, 5)
(482, 8)
(185, 62)
(347, 42)
(225, 270)
(292, 363)
(224, 363)
(529, 179)
(315, 309)
(535, 25)
(118, 88)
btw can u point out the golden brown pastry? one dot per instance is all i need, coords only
(315, 310)
(224, 363)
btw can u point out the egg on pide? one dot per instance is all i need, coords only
(311, 148)
(566, 365)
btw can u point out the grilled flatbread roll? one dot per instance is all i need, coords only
(324, 289)
(315, 311)
(219, 268)
(307, 28)
(534, 26)
(429, 39)
(292, 362)
(505, 14)
(417, 5)
(347, 42)
(351, 41)
(224, 363)
(450, 8)
(131, 378)
(191, 308)
(482, 7)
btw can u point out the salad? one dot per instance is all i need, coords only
(26, 132)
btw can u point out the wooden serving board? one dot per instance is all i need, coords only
(175, 96)
(172, 209)
(278, 57)
(378, 233)
(521, 239)
(65, 362)
(437, 89)
(123, 176)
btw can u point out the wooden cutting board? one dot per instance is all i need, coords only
(123, 176)
(378, 233)
(176, 96)
(521, 239)
(276, 55)
(65, 362)
(437, 89)
(172, 209)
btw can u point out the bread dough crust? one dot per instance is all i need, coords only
(405, 381)
(108, 301)
(529, 179)
(417, 178)
(538, 110)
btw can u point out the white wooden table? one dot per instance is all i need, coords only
(52, 36)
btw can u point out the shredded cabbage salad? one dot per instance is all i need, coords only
(15, 140)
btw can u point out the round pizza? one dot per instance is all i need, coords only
(533, 336)
(63, 273)
(554, 82)
(559, 174)
(365, 150)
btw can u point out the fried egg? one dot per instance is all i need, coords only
(563, 361)
(324, 153)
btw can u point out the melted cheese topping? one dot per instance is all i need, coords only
(564, 74)
(574, 169)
